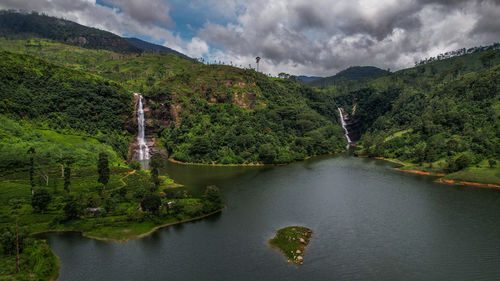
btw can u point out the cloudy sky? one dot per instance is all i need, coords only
(311, 37)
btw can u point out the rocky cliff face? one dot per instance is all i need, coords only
(353, 125)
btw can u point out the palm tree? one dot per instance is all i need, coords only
(257, 59)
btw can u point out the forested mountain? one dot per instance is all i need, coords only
(198, 113)
(307, 79)
(225, 115)
(351, 74)
(433, 115)
(16, 25)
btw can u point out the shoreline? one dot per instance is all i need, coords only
(440, 175)
(142, 235)
(418, 172)
(172, 160)
(469, 183)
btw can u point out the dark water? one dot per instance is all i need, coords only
(370, 222)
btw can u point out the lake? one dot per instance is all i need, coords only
(370, 222)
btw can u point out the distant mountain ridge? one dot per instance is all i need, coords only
(19, 25)
(307, 79)
(353, 73)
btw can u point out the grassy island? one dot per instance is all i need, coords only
(292, 242)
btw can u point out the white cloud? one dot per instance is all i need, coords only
(312, 37)
(197, 48)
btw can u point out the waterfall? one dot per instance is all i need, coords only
(141, 141)
(344, 126)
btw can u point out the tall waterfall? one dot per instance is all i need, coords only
(344, 126)
(141, 141)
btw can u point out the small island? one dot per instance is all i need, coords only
(292, 242)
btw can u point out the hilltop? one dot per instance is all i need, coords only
(17, 25)
(351, 74)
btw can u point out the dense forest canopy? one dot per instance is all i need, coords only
(222, 114)
(443, 114)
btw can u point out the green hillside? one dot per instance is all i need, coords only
(441, 117)
(281, 120)
(55, 97)
(231, 116)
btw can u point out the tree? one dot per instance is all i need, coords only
(462, 162)
(31, 151)
(135, 165)
(492, 163)
(41, 199)
(212, 194)
(72, 209)
(151, 203)
(154, 165)
(212, 199)
(267, 153)
(487, 57)
(257, 60)
(67, 178)
(103, 169)
(8, 240)
(457, 68)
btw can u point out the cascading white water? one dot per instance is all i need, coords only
(345, 128)
(141, 141)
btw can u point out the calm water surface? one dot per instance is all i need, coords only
(369, 220)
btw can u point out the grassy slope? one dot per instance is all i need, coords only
(17, 137)
(15, 199)
(292, 118)
(135, 72)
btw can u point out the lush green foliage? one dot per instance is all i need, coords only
(155, 163)
(151, 203)
(112, 213)
(431, 114)
(212, 199)
(103, 168)
(35, 89)
(37, 262)
(232, 116)
(52, 147)
(41, 199)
